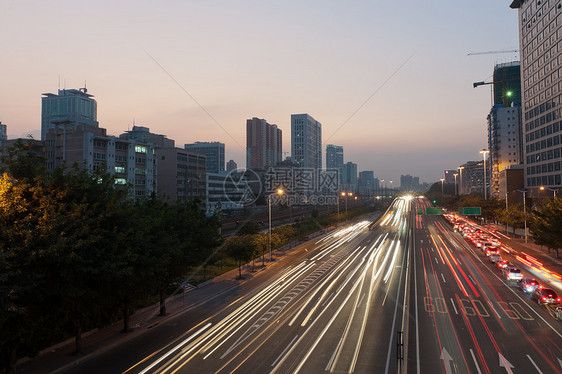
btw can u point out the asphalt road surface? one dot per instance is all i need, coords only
(406, 295)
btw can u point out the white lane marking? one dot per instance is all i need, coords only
(333, 355)
(328, 298)
(437, 262)
(475, 362)
(442, 277)
(472, 279)
(176, 348)
(392, 333)
(361, 299)
(535, 365)
(454, 307)
(284, 351)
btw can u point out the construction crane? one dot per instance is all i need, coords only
(493, 52)
(506, 94)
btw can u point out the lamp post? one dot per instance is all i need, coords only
(542, 188)
(484, 152)
(524, 210)
(442, 188)
(382, 184)
(460, 179)
(279, 192)
(456, 191)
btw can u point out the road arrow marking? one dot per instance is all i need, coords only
(446, 357)
(559, 362)
(505, 364)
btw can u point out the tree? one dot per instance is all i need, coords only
(241, 249)
(546, 224)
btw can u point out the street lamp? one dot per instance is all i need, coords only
(484, 152)
(442, 188)
(278, 192)
(460, 180)
(524, 210)
(456, 190)
(542, 188)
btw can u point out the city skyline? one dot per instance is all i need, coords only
(361, 70)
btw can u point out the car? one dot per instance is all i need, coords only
(492, 250)
(502, 264)
(545, 296)
(527, 285)
(512, 273)
(494, 257)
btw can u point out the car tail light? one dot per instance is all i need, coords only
(558, 299)
(544, 298)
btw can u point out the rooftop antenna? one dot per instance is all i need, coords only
(59, 81)
(85, 89)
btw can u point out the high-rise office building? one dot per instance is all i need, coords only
(349, 182)
(409, 183)
(334, 156)
(181, 174)
(366, 183)
(3, 132)
(471, 178)
(449, 176)
(306, 141)
(68, 109)
(132, 162)
(504, 142)
(214, 151)
(231, 165)
(541, 59)
(507, 83)
(334, 159)
(264, 144)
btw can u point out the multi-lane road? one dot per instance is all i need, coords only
(405, 294)
(467, 318)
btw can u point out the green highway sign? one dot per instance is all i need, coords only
(434, 211)
(470, 211)
(420, 211)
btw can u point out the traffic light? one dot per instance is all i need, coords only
(434, 201)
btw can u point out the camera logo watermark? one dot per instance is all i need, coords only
(282, 186)
(242, 187)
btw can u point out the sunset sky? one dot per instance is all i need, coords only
(268, 59)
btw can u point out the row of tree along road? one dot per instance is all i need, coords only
(76, 253)
(543, 217)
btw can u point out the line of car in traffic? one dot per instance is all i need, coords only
(490, 247)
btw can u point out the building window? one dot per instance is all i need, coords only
(120, 181)
(140, 149)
